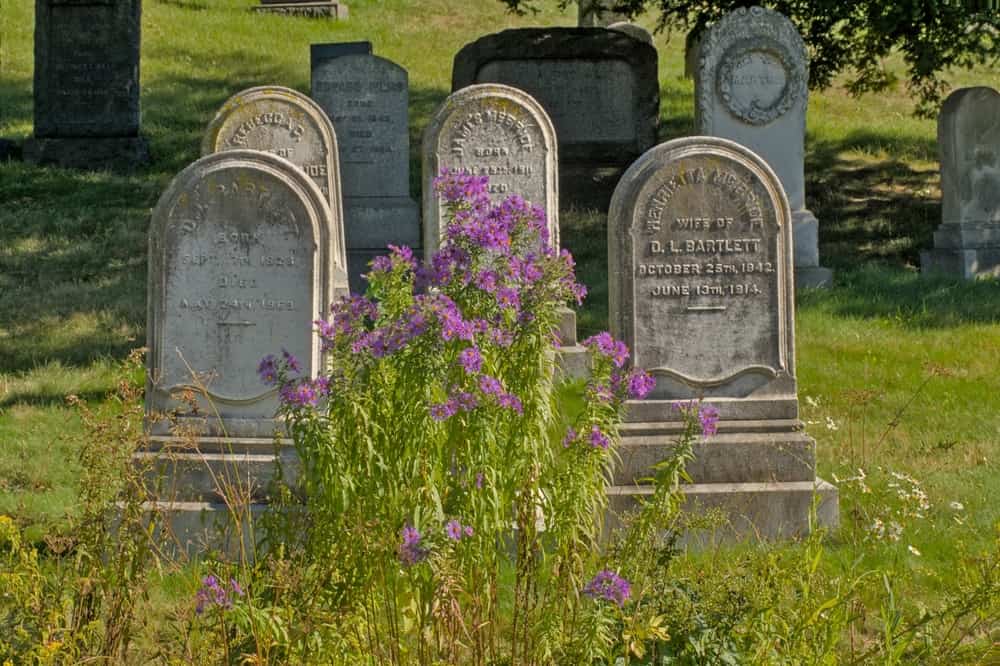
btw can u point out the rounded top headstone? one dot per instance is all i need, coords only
(755, 61)
(700, 270)
(633, 30)
(498, 131)
(242, 259)
(969, 147)
(284, 122)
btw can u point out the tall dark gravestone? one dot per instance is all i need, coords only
(701, 289)
(600, 88)
(87, 85)
(367, 99)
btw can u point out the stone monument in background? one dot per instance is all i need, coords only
(597, 13)
(367, 99)
(600, 88)
(967, 244)
(701, 289)
(242, 260)
(87, 85)
(752, 86)
(311, 8)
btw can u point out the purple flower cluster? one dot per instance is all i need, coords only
(598, 439)
(270, 369)
(304, 392)
(347, 317)
(411, 551)
(399, 256)
(607, 346)
(455, 530)
(471, 360)
(214, 593)
(708, 416)
(609, 586)
(570, 437)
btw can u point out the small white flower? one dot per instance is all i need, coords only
(913, 550)
(831, 424)
(957, 506)
(811, 401)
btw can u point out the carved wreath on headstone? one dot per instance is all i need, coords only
(753, 110)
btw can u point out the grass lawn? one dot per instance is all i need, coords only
(73, 257)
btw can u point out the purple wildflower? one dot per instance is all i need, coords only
(467, 530)
(640, 384)
(487, 281)
(490, 385)
(381, 264)
(292, 362)
(465, 400)
(470, 359)
(571, 435)
(479, 480)
(709, 418)
(598, 439)
(507, 297)
(410, 550)
(444, 410)
(454, 530)
(609, 586)
(510, 401)
(213, 593)
(301, 394)
(268, 370)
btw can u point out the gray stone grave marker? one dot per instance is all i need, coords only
(701, 289)
(87, 84)
(967, 244)
(599, 87)
(367, 98)
(334, 9)
(288, 124)
(242, 260)
(751, 86)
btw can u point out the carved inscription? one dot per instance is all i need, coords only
(704, 273)
(499, 143)
(239, 275)
(361, 120)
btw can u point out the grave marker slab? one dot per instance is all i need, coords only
(967, 243)
(243, 258)
(751, 86)
(334, 9)
(87, 84)
(701, 289)
(496, 131)
(599, 87)
(367, 98)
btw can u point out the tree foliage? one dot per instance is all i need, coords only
(856, 36)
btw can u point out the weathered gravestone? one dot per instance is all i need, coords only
(599, 87)
(967, 244)
(633, 30)
(309, 8)
(367, 98)
(597, 13)
(701, 290)
(244, 254)
(501, 132)
(751, 86)
(87, 85)
(288, 124)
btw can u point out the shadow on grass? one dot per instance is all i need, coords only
(18, 104)
(872, 208)
(907, 298)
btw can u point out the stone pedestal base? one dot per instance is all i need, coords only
(760, 474)
(328, 9)
(805, 236)
(209, 494)
(573, 360)
(92, 153)
(968, 264)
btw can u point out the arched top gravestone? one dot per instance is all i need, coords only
(241, 262)
(969, 144)
(286, 123)
(700, 272)
(497, 131)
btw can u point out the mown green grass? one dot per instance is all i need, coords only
(73, 245)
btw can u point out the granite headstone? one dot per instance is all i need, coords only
(701, 290)
(751, 86)
(334, 9)
(599, 87)
(87, 85)
(967, 244)
(367, 98)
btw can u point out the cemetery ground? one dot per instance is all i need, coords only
(897, 373)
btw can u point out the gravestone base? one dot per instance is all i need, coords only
(967, 264)
(805, 236)
(326, 9)
(589, 186)
(768, 511)
(192, 528)
(202, 485)
(372, 224)
(92, 153)
(573, 360)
